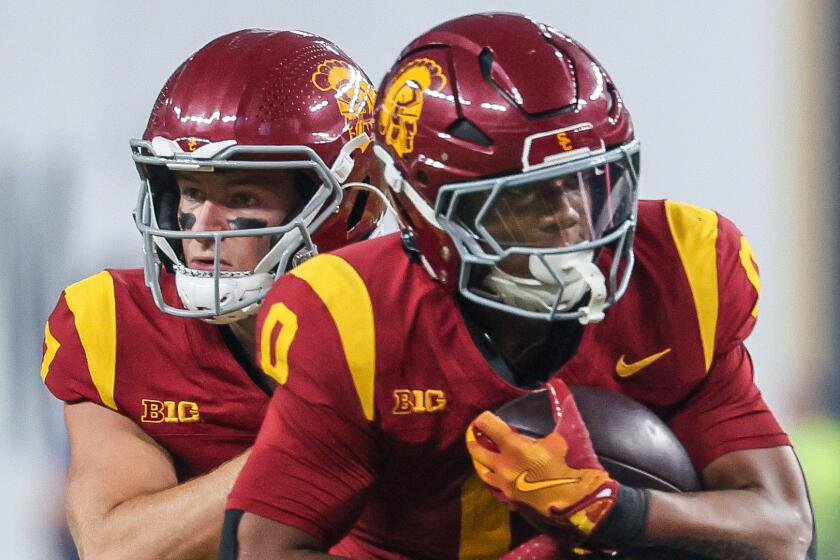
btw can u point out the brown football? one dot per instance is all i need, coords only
(632, 443)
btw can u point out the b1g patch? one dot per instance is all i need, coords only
(555, 146)
(169, 412)
(412, 401)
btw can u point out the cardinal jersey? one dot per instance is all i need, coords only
(106, 342)
(363, 446)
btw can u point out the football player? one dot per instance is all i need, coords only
(244, 161)
(525, 259)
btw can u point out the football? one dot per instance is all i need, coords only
(632, 443)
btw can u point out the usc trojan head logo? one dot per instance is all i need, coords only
(354, 94)
(404, 102)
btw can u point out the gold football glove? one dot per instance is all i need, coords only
(554, 481)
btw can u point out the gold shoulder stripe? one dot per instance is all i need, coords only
(346, 296)
(93, 305)
(485, 522)
(747, 261)
(695, 232)
(49, 354)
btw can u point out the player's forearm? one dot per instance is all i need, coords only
(727, 525)
(183, 521)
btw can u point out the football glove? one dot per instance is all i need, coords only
(555, 481)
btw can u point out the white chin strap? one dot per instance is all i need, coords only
(197, 292)
(576, 273)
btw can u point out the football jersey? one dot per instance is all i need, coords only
(363, 444)
(107, 342)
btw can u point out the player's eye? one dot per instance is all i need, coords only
(520, 198)
(243, 200)
(192, 194)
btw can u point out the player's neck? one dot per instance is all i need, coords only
(245, 332)
(534, 349)
(240, 338)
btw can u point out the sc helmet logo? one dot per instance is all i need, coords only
(564, 141)
(403, 103)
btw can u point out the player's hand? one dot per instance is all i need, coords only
(556, 480)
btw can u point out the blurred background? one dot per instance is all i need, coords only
(734, 103)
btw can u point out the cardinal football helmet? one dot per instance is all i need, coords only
(256, 99)
(511, 158)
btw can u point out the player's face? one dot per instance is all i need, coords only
(543, 215)
(230, 200)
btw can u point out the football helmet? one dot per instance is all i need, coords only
(254, 99)
(511, 159)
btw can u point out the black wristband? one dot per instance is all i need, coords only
(625, 524)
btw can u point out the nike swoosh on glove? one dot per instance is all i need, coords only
(555, 481)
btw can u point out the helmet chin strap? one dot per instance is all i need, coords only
(568, 275)
(343, 164)
(196, 291)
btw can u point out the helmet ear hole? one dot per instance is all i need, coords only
(423, 177)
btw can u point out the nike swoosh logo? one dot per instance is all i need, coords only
(524, 485)
(623, 369)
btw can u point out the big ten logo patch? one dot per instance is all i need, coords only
(409, 401)
(170, 412)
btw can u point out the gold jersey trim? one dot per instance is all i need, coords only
(346, 296)
(695, 232)
(747, 257)
(93, 305)
(52, 346)
(485, 522)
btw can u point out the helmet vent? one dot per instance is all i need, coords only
(466, 130)
(485, 61)
(504, 84)
(614, 102)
